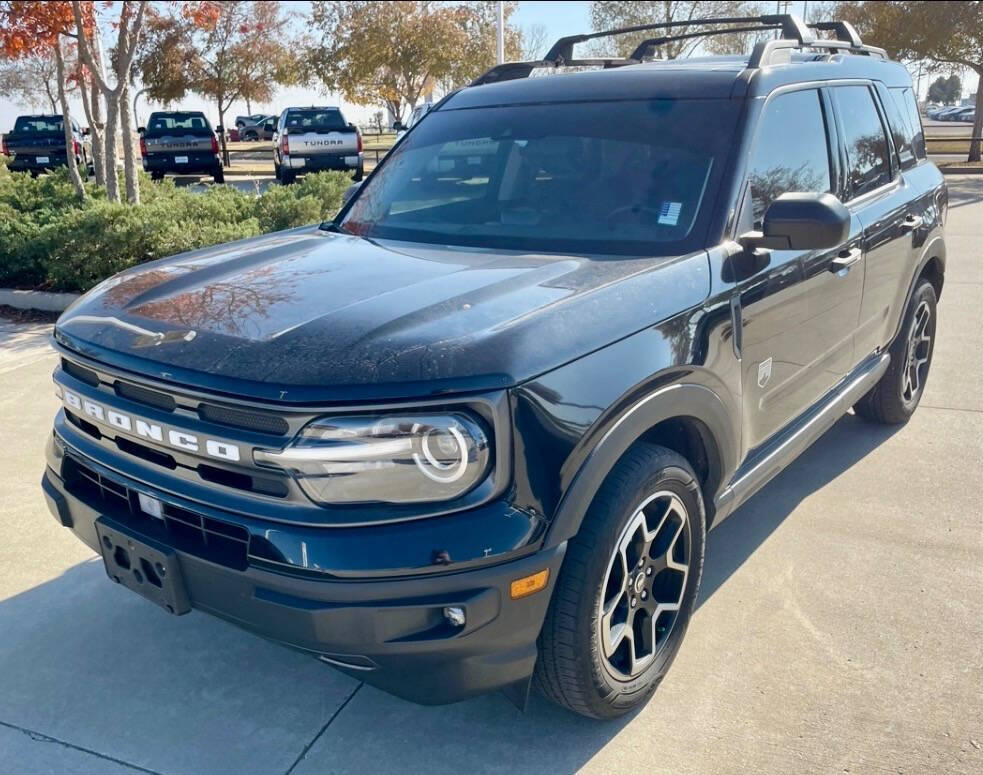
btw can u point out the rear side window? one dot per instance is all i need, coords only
(183, 122)
(316, 118)
(905, 100)
(791, 151)
(868, 160)
(38, 124)
(900, 130)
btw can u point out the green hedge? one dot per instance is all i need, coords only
(50, 240)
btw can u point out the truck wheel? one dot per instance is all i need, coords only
(627, 587)
(287, 176)
(895, 397)
(156, 175)
(359, 173)
(219, 175)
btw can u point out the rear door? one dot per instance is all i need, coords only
(879, 197)
(798, 314)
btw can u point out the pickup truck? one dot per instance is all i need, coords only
(470, 434)
(315, 139)
(37, 143)
(182, 143)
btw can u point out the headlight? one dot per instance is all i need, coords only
(389, 459)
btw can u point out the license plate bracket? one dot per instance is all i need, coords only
(143, 565)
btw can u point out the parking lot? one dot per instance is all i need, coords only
(840, 627)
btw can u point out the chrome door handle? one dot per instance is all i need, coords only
(845, 259)
(911, 223)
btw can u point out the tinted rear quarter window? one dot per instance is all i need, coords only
(901, 130)
(868, 160)
(791, 150)
(905, 100)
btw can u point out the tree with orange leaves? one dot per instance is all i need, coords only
(32, 28)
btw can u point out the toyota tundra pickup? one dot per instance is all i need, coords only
(181, 143)
(471, 433)
(37, 144)
(315, 139)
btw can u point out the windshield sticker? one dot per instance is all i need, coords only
(669, 213)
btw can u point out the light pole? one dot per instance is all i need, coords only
(136, 116)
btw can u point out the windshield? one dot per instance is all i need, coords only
(626, 177)
(193, 123)
(38, 124)
(316, 118)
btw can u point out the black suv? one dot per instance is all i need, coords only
(472, 432)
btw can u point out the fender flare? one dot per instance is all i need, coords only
(681, 400)
(933, 248)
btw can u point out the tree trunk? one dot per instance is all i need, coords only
(222, 135)
(974, 145)
(129, 152)
(73, 170)
(112, 130)
(97, 131)
(249, 107)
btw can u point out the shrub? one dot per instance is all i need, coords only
(49, 239)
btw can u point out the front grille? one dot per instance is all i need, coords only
(80, 373)
(145, 396)
(211, 539)
(253, 421)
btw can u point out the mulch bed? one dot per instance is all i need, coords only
(27, 315)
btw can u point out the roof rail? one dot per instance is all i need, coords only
(791, 25)
(794, 35)
(647, 47)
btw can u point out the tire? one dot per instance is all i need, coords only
(894, 399)
(219, 175)
(359, 173)
(577, 666)
(157, 176)
(287, 176)
(248, 137)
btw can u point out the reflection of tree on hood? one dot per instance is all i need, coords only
(224, 305)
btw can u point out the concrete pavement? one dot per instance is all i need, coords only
(840, 627)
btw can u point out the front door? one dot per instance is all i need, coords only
(799, 314)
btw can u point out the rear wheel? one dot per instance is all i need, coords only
(156, 175)
(627, 587)
(359, 172)
(287, 176)
(895, 397)
(219, 175)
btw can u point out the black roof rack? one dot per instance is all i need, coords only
(794, 35)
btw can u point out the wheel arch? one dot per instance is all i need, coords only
(687, 418)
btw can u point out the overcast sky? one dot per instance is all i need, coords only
(559, 19)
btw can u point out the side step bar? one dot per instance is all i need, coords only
(776, 455)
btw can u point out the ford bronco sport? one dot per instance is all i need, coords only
(471, 433)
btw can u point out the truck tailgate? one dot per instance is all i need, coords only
(318, 143)
(34, 145)
(178, 144)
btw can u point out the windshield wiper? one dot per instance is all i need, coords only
(332, 227)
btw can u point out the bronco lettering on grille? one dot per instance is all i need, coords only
(189, 442)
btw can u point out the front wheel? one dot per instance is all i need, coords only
(895, 397)
(627, 587)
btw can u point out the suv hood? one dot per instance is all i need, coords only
(307, 315)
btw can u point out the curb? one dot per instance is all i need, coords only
(953, 169)
(40, 300)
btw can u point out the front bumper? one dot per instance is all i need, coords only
(389, 632)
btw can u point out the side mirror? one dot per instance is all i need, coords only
(799, 221)
(85, 132)
(220, 129)
(140, 129)
(399, 126)
(350, 192)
